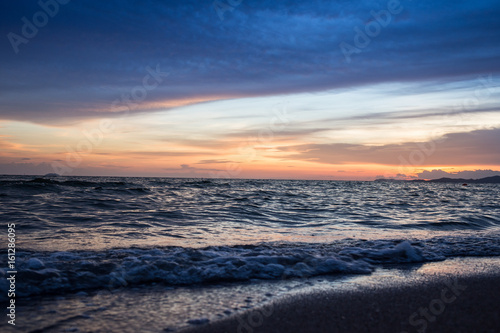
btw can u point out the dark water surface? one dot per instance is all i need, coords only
(91, 233)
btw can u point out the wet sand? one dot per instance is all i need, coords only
(461, 295)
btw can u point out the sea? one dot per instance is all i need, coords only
(205, 244)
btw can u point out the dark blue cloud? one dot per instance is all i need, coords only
(91, 52)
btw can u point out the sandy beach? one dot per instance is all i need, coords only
(456, 296)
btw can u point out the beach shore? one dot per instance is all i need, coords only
(453, 296)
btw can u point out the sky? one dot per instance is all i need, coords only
(315, 89)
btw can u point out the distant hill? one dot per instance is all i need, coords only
(487, 180)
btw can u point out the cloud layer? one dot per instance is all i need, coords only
(92, 53)
(461, 149)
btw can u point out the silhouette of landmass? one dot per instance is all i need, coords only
(486, 180)
(494, 179)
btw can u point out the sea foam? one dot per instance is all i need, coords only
(73, 271)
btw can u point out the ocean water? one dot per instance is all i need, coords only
(89, 234)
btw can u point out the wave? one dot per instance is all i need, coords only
(75, 183)
(41, 273)
(41, 185)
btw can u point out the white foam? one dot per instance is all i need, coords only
(65, 272)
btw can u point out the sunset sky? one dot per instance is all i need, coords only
(251, 89)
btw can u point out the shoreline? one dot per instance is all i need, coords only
(455, 295)
(458, 295)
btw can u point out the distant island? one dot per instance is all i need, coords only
(487, 180)
(52, 175)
